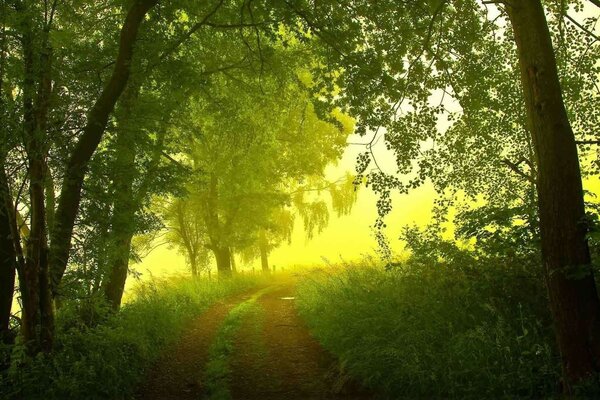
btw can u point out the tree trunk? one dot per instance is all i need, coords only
(232, 257)
(566, 258)
(264, 252)
(8, 254)
(70, 197)
(223, 261)
(125, 205)
(115, 285)
(8, 257)
(194, 267)
(264, 258)
(37, 301)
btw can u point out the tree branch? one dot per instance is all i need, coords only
(515, 168)
(587, 142)
(583, 28)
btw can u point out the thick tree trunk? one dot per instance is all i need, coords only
(264, 258)
(223, 261)
(125, 204)
(8, 257)
(571, 287)
(117, 276)
(194, 268)
(70, 196)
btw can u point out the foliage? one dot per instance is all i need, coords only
(252, 141)
(438, 83)
(109, 359)
(459, 328)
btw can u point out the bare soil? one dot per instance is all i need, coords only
(279, 359)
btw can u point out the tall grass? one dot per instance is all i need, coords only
(437, 331)
(108, 360)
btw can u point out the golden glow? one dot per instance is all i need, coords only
(347, 238)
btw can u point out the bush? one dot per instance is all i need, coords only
(431, 331)
(108, 360)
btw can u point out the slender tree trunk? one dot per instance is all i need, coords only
(264, 258)
(34, 286)
(8, 258)
(566, 258)
(70, 197)
(223, 261)
(264, 252)
(232, 257)
(8, 254)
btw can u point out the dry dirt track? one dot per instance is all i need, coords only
(271, 355)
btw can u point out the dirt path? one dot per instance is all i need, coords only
(250, 347)
(275, 357)
(178, 373)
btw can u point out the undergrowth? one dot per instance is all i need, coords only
(436, 331)
(107, 360)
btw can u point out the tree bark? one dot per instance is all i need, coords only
(194, 267)
(232, 257)
(8, 258)
(566, 258)
(264, 258)
(70, 196)
(124, 207)
(8, 254)
(223, 261)
(34, 285)
(264, 252)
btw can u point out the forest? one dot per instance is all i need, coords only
(299, 199)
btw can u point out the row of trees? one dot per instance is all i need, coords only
(252, 146)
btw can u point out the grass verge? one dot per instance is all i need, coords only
(436, 332)
(108, 360)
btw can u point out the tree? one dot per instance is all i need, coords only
(8, 254)
(249, 138)
(571, 286)
(39, 93)
(188, 232)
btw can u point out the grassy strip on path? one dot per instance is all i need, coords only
(217, 369)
